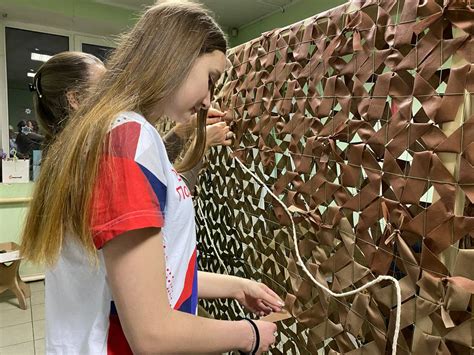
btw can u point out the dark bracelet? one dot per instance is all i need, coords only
(257, 337)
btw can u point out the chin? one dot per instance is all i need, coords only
(190, 115)
(183, 118)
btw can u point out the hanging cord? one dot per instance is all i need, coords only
(316, 282)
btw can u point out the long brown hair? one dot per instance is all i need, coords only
(63, 73)
(149, 64)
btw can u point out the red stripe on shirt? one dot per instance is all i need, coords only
(122, 140)
(188, 282)
(116, 342)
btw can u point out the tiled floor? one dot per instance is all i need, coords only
(22, 331)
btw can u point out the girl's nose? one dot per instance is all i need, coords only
(206, 103)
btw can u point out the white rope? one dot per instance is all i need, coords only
(208, 231)
(311, 277)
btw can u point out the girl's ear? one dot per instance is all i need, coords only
(72, 99)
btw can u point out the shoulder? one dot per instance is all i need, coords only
(130, 117)
(131, 134)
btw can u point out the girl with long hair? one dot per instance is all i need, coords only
(111, 217)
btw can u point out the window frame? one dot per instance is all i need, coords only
(80, 39)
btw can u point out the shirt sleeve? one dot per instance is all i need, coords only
(125, 196)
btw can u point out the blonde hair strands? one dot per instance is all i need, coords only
(149, 64)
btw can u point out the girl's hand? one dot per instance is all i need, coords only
(267, 332)
(214, 116)
(185, 129)
(218, 134)
(217, 131)
(258, 298)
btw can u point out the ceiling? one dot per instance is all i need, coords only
(229, 13)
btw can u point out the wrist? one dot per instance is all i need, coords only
(239, 287)
(247, 336)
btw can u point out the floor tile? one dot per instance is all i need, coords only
(38, 311)
(38, 329)
(22, 331)
(37, 297)
(16, 334)
(19, 349)
(14, 317)
(40, 347)
(36, 285)
(9, 301)
(6, 294)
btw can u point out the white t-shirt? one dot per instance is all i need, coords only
(142, 191)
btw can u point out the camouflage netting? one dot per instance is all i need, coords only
(359, 119)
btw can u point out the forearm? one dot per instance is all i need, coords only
(36, 137)
(212, 286)
(135, 265)
(203, 335)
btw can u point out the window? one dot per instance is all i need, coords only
(101, 52)
(23, 49)
(25, 52)
(99, 46)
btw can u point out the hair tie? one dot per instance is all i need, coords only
(35, 86)
(256, 344)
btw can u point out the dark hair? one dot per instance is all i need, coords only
(21, 124)
(35, 125)
(64, 72)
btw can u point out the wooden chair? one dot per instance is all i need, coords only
(9, 273)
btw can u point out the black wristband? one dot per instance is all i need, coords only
(257, 337)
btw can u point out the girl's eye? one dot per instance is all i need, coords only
(211, 87)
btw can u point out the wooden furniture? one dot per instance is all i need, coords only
(10, 260)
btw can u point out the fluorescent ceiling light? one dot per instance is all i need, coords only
(31, 75)
(40, 57)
